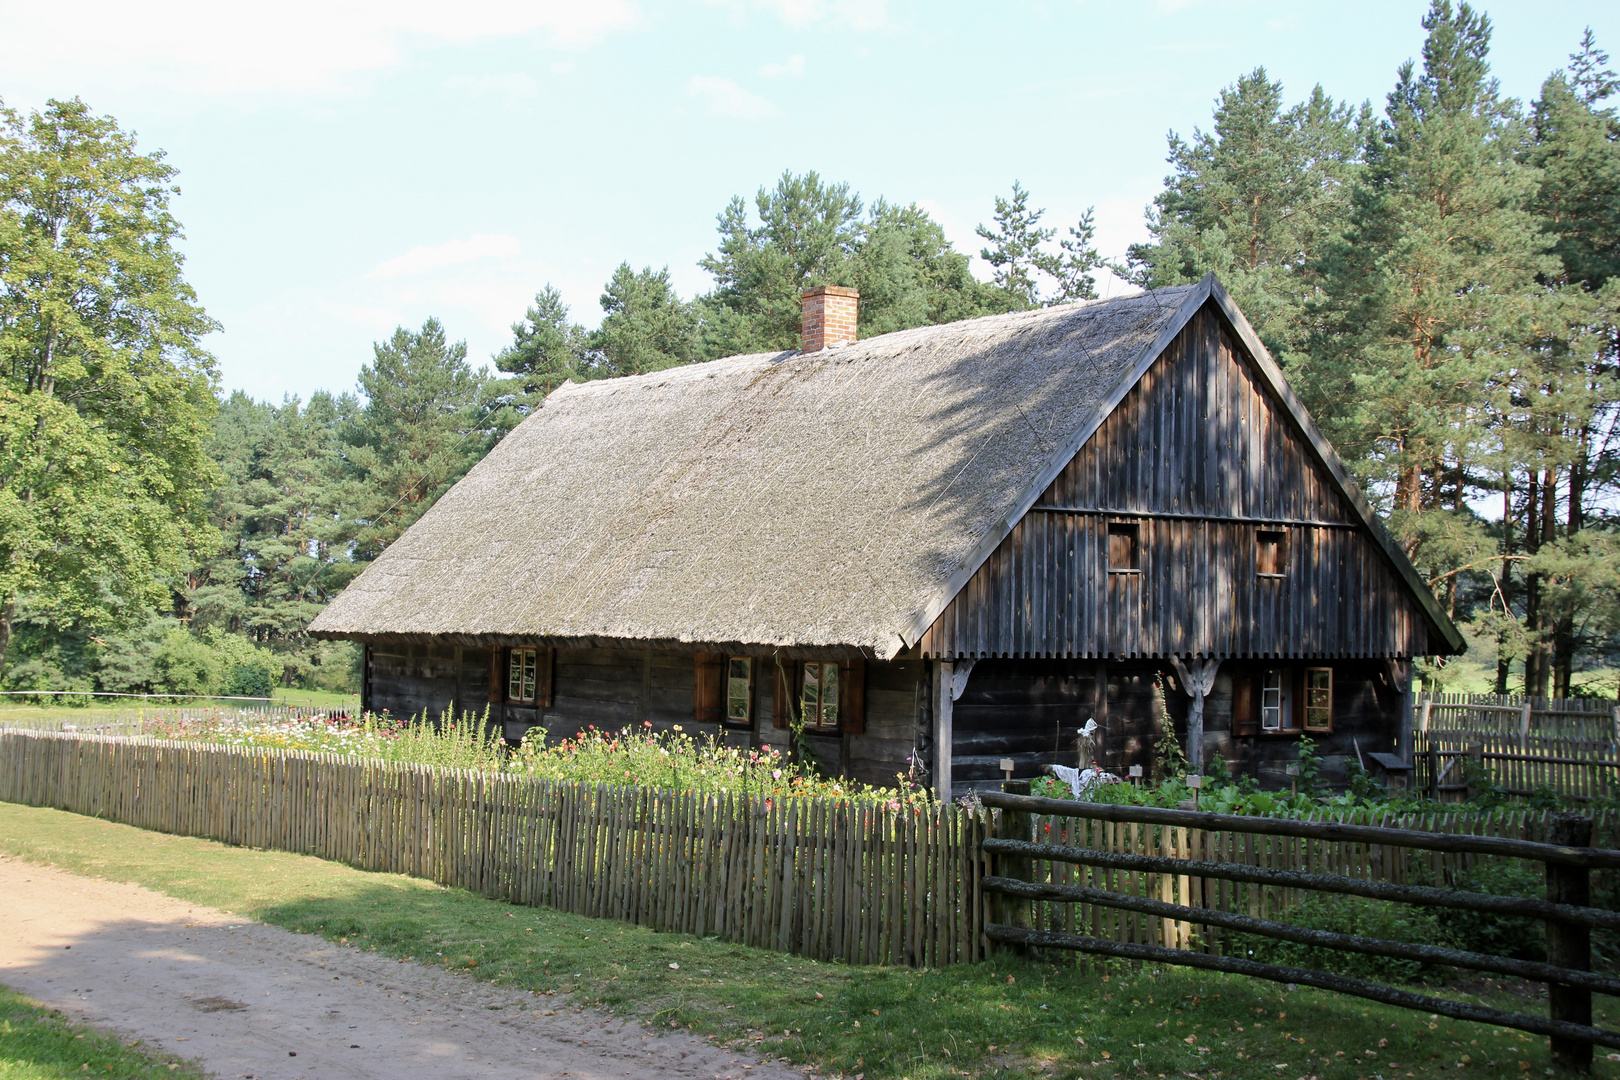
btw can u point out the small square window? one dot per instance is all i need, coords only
(819, 700)
(1124, 547)
(739, 690)
(1271, 553)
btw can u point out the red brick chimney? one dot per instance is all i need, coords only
(827, 316)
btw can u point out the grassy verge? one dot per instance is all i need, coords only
(1012, 1018)
(37, 1043)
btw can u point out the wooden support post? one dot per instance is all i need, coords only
(1402, 670)
(944, 676)
(1434, 771)
(1013, 825)
(1570, 946)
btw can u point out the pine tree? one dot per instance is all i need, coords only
(1433, 290)
(1016, 253)
(814, 233)
(1561, 410)
(547, 350)
(423, 426)
(1255, 200)
(646, 326)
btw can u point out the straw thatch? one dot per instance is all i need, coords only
(827, 500)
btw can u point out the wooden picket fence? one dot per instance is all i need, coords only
(862, 883)
(1571, 745)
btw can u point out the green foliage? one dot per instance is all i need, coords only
(1020, 254)
(1502, 935)
(547, 350)
(1255, 200)
(646, 327)
(423, 426)
(1347, 915)
(186, 665)
(105, 389)
(814, 233)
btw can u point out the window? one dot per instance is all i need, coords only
(1318, 699)
(818, 699)
(522, 676)
(1273, 706)
(1271, 553)
(739, 690)
(1124, 547)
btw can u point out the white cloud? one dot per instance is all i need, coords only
(511, 85)
(854, 14)
(299, 46)
(793, 65)
(726, 98)
(422, 260)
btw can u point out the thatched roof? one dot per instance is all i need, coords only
(833, 500)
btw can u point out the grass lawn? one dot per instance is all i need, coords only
(1011, 1018)
(325, 698)
(37, 1043)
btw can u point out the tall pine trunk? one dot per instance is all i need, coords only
(1504, 659)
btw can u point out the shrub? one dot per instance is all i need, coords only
(1505, 935)
(185, 665)
(1346, 915)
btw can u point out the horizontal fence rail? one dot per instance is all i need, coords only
(1058, 865)
(862, 883)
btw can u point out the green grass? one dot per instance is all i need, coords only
(327, 699)
(1011, 1018)
(37, 1043)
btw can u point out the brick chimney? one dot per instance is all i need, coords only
(827, 317)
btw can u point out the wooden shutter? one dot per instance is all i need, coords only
(784, 693)
(709, 688)
(544, 665)
(1245, 709)
(852, 696)
(497, 675)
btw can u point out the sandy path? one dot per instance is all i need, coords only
(250, 1000)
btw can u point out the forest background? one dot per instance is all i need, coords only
(1437, 277)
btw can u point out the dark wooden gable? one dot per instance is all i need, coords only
(1198, 459)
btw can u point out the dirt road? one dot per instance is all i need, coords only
(249, 1000)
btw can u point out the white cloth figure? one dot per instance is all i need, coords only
(1083, 781)
(1197, 678)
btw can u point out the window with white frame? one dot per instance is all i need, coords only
(1273, 702)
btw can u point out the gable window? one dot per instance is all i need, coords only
(1124, 547)
(1319, 699)
(522, 670)
(739, 690)
(818, 697)
(1271, 553)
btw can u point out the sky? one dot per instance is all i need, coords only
(346, 168)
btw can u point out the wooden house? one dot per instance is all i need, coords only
(948, 546)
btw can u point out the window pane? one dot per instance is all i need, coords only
(514, 679)
(739, 687)
(810, 704)
(530, 667)
(829, 695)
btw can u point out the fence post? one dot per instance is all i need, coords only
(1014, 825)
(1570, 946)
(1434, 772)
